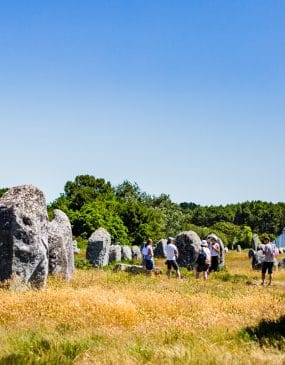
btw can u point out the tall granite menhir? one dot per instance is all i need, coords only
(24, 235)
(98, 248)
(159, 250)
(188, 244)
(61, 249)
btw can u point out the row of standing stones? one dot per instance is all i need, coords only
(100, 252)
(31, 246)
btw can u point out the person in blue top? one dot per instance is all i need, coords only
(149, 262)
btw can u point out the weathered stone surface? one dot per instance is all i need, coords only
(24, 235)
(251, 253)
(257, 259)
(159, 250)
(115, 253)
(134, 269)
(98, 248)
(188, 244)
(126, 252)
(136, 253)
(222, 249)
(255, 242)
(281, 263)
(226, 250)
(61, 251)
(238, 248)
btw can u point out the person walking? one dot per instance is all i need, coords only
(203, 260)
(268, 262)
(215, 254)
(171, 256)
(149, 261)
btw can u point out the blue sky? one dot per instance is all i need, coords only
(183, 97)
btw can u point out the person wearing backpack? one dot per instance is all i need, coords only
(270, 251)
(171, 255)
(203, 260)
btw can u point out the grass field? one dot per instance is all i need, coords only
(102, 317)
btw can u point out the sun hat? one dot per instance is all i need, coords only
(204, 243)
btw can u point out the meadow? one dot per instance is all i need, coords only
(101, 317)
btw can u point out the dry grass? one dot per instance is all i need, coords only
(116, 318)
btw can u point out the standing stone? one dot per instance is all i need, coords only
(98, 248)
(136, 253)
(251, 253)
(255, 242)
(61, 250)
(281, 263)
(238, 248)
(126, 253)
(188, 244)
(24, 235)
(257, 259)
(159, 250)
(115, 254)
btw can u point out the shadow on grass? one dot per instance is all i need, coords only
(270, 333)
(233, 278)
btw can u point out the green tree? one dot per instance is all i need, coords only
(3, 191)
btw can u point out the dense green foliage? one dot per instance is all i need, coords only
(2, 191)
(131, 216)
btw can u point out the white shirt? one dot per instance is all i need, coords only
(170, 248)
(268, 251)
(213, 251)
(208, 254)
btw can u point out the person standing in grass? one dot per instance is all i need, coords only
(215, 254)
(149, 261)
(144, 252)
(268, 262)
(203, 260)
(171, 256)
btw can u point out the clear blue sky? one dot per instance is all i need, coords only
(183, 97)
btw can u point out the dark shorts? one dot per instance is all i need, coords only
(214, 263)
(267, 266)
(202, 268)
(172, 264)
(149, 264)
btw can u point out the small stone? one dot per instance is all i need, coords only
(136, 253)
(126, 253)
(115, 253)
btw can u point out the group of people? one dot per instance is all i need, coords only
(206, 262)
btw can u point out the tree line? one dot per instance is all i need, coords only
(131, 215)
